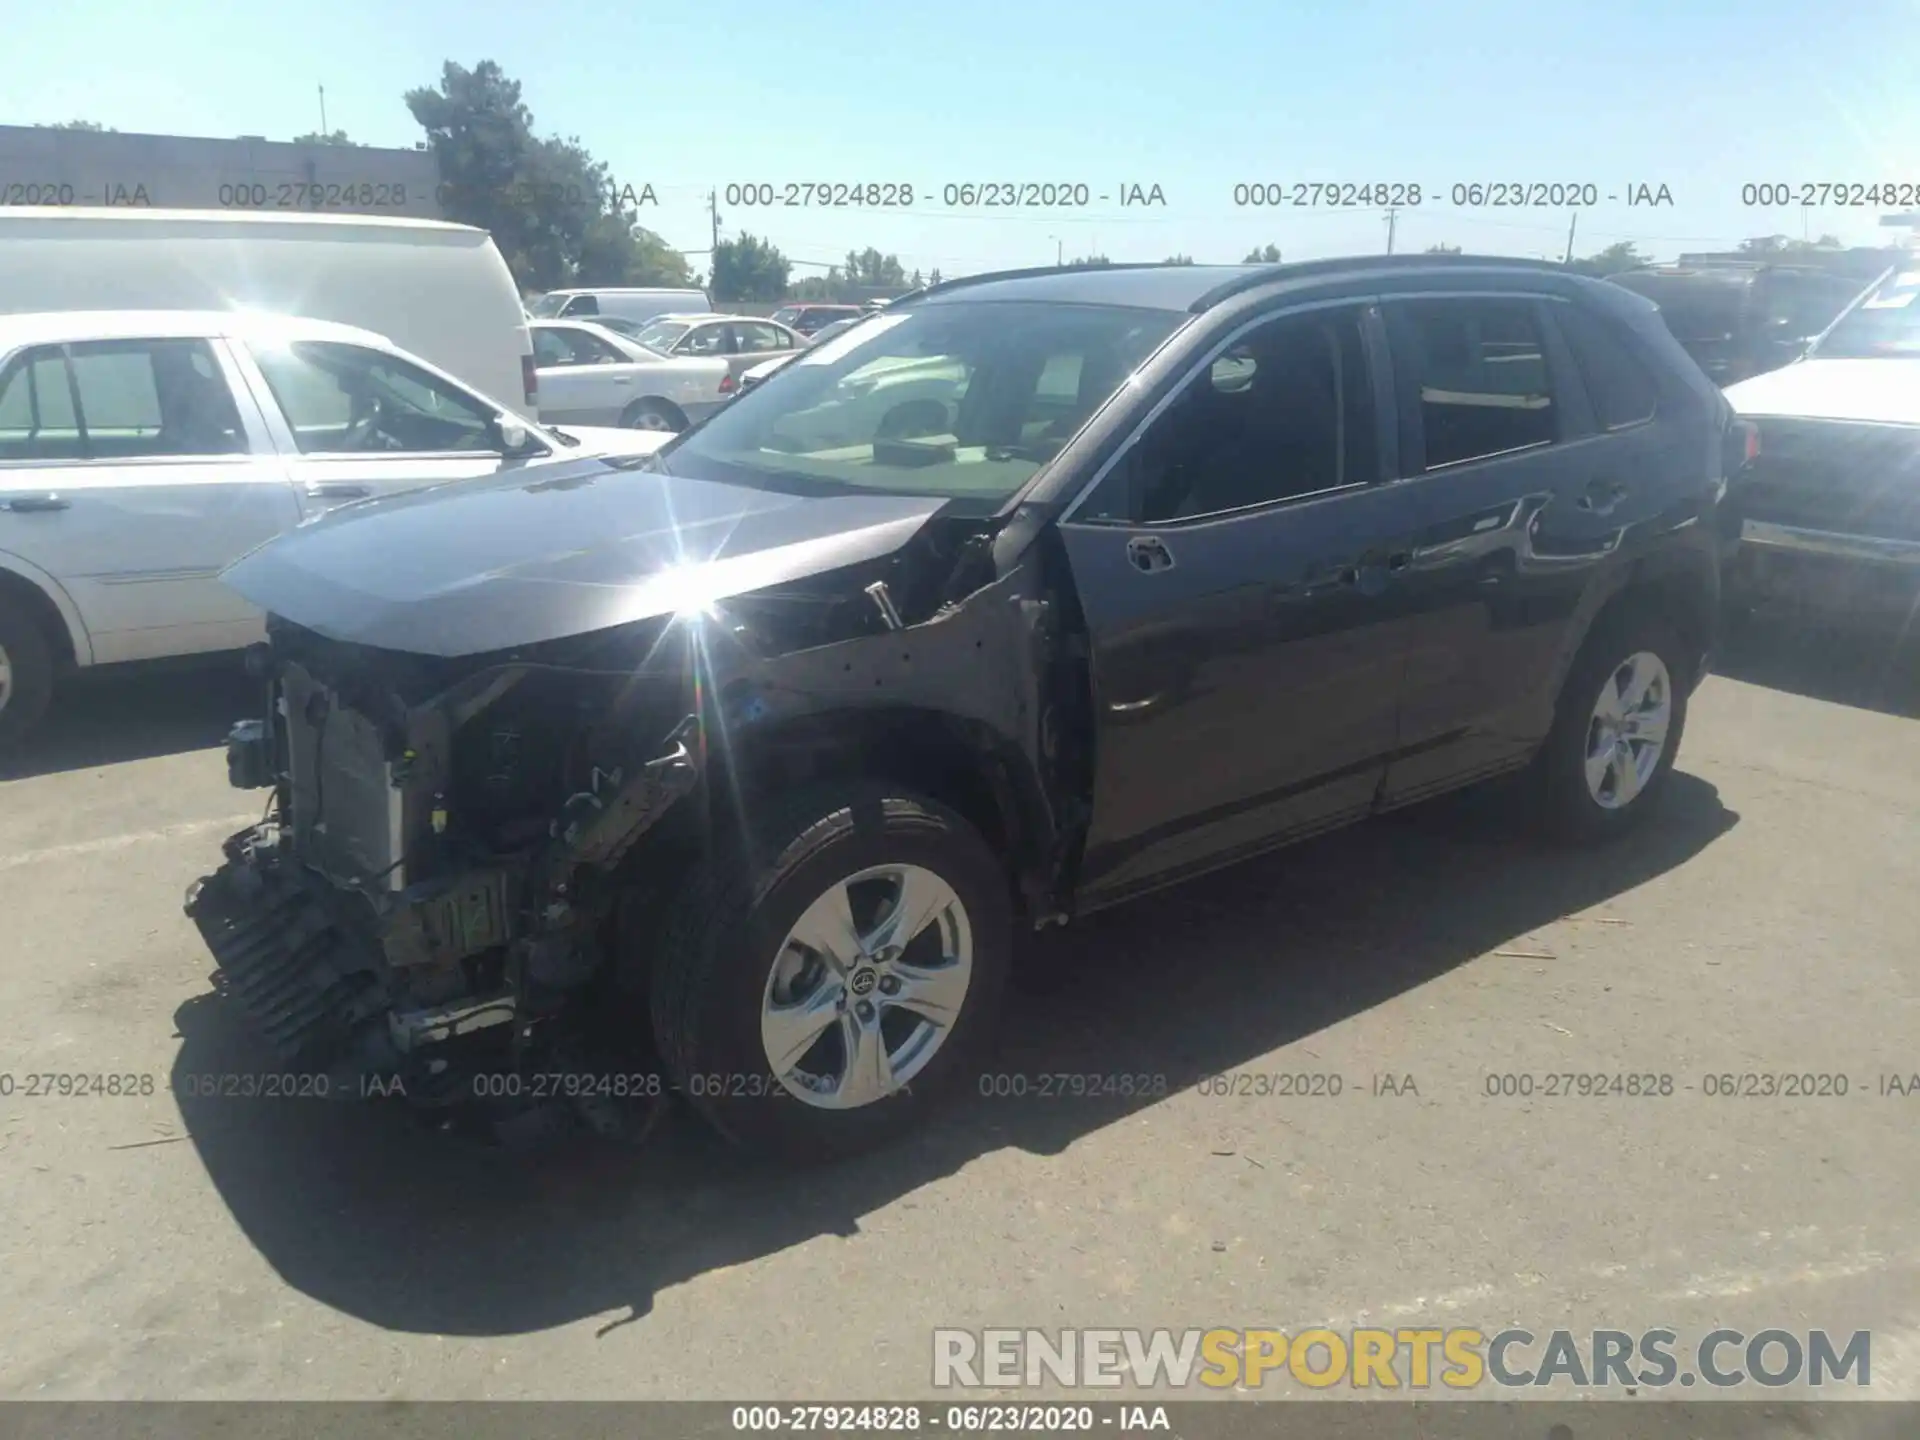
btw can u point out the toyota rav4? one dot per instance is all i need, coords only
(1034, 593)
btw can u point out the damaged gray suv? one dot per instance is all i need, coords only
(734, 771)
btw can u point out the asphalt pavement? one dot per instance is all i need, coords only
(161, 1245)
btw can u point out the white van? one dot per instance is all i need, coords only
(636, 307)
(440, 291)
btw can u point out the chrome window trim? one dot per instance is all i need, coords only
(1068, 516)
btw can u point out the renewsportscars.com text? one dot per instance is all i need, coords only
(1395, 1359)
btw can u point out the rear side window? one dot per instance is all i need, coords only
(1478, 368)
(37, 419)
(138, 399)
(1622, 391)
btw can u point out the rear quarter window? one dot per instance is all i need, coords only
(1618, 383)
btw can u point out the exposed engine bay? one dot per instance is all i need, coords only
(448, 893)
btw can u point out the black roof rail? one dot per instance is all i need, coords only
(1303, 269)
(988, 277)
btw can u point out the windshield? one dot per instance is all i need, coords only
(547, 307)
(1886, 323)
(661, 334)
(786, 314)
(958, 400)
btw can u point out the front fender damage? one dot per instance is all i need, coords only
(473, 971)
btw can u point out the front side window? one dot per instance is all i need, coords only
(944, 399)
(1479, 370)
(137, 399)
(347, 400)
(582, 305)
(1286, 411)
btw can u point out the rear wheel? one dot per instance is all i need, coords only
(827, 985)
(26, 672)
(1620, 719)
(651, 414)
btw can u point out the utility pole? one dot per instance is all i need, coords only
(713, 209)
(1573, 220)
(323, 111)
(1393, 212)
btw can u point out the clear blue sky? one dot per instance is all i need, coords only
(1193, 97)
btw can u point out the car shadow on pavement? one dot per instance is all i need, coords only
(1869, 667)
(356, 1206)
(112, 716)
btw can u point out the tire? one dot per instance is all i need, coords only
(723, 960)
(1570, 806)
(651, 414)
(26, 672)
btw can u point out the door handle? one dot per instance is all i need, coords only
(1148, 554)
(1602, 497)
(339, 491)
(34, 504)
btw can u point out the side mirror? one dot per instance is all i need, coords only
(510, 436)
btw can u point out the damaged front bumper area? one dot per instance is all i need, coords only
(424, 911)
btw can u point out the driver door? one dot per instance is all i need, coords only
(355, 423)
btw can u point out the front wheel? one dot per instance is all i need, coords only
(838, 975)
(1617, 730)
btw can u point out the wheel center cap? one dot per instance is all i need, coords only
(862, 981)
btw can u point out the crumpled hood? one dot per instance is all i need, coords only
(477, 566)
(1884, 391)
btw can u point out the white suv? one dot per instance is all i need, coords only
(141, 452)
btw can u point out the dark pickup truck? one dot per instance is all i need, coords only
(1039, 592)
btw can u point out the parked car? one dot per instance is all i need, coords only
(752, 377)
(743, 341)
(1737, 319)
(811, 319)
(1829, 511)
(439, 291)
(591, 376)
(636, 306)
(142, 451)
(779, 746)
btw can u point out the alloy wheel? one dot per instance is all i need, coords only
(1627, 732)
(867, 986)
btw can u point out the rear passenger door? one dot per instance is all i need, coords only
(1521, 499)
(131, 473)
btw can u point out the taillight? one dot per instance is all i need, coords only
(728, 384)
(529, 379)
(1749, 441)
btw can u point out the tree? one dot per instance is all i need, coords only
(1268, 254)
(93, 126)
(933, 276)
(1094, 261)
(548, 204)
(338, 137)
(749, 269)
(1178, 260)
(1622, 255)
(1443, 249)
(871, 270)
